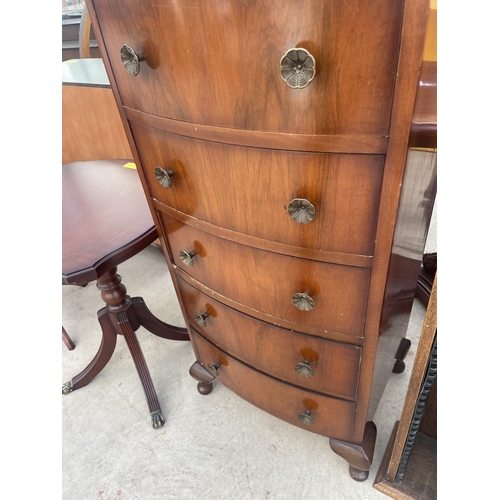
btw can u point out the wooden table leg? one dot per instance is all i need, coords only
(67, 340)
(142, 369)
(119, 305)
(102, 357)
(154, 325)
(123, 316)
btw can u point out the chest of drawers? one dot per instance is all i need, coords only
(271, 138)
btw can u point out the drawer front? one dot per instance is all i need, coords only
(316, 364)
(344, 190)
(332, 417)
(219, 62)
(266, 281)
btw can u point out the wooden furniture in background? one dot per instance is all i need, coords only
(271, 138)
(84, 34)
(67, 340)
(71, 33)
(409, 467)
(426, 277)
(91, 124)
(106, 220)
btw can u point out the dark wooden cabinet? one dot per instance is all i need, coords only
(293, 219)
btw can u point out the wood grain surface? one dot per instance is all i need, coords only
(332, 417)
(247, 190)
(266, 281)
(91, 125)
(105, 218)
(275, 350)
(226, 72)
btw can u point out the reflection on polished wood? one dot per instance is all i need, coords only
(424, 121)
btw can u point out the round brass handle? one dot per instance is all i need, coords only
(304, 368)
(213, 369)
(306, 418)
(164, 177)
(201, 318)
(131, 60)
(303, 301)
(301, 211)
(187, 257)
(297, 68)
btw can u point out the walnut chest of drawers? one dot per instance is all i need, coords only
(271, 138)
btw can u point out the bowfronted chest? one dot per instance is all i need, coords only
(271, 140)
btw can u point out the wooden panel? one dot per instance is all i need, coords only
(332, 417)
(231, 78)
(414, 402)
(344, 190)
(413, 219)
(91, 125)
(266, 281)
(274, 350)
(420, 480)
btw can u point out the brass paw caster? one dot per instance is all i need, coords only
(67, 387)
(157, 419)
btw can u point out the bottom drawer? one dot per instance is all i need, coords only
(324, 415)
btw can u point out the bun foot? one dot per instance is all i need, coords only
(205, 388)
(203, 376)
(358, 475)
(157, 419)
(399, 366)
(403, 348)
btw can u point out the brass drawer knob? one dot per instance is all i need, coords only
(164, 177)
(306, 418)
(187, 257)
(131, 60)
(201, 318)
(303, 301)
(298, 68)
(304, 368)
(301, 211)
(213, 369)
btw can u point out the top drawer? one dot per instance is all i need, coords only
(218, 62)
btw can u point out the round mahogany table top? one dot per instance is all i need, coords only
(105, 218)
